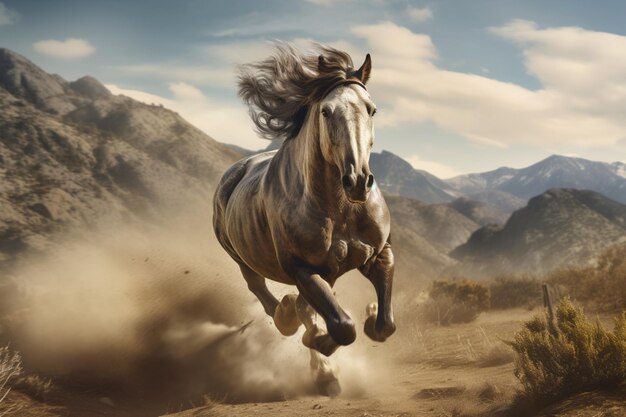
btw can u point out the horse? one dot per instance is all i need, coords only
(310, 211)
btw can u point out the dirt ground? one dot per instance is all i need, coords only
(461, 370)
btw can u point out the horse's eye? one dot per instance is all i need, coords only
(325, 112)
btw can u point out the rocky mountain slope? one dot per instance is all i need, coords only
(558, 227)
(423, 234)
(479, 211)
(396, 176)
(72, 154)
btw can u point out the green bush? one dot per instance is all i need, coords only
(512, 292)
(455, 301)
(553, 361)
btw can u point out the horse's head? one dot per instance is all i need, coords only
(347, 132)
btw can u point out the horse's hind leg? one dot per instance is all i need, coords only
(256, 284)
(325, 379)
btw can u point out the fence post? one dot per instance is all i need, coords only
(547, 302)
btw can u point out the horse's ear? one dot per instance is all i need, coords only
(363, 73)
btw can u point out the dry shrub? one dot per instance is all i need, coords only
(10, 369)
(512, 292)
(36, 386)
(498, 354)
(455, 301)
(602, 286)
(489, 392)
(554, 361)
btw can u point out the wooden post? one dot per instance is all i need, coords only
(547, 302)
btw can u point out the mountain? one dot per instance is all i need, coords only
(479, 211)
(423, 234)
(619, 168)
(553, 172)
(504, 202)
(559, 227)
(71, 154)
(474, 183)
(396, 176)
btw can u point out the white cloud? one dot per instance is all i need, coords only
(581, 102)
(223, 122)
(419, 14)
(435, 168)
(70, 48)
(7, 16)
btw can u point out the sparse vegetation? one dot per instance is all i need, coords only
(455, 301)
(512, 292)
(572, 355)
(36, 386)
(498, 354)
(601, 287)
(10, 369)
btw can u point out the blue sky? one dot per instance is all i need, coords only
(461, 86)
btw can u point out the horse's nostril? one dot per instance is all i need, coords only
(370, 181)
(346, 180)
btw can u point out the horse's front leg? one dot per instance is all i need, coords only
(319, 295)
(380, 325)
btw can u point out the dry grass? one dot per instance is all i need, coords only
(10, 369)
(515, 291)
(498, 354)
(601, 287)
(454, 301)
(35, 386)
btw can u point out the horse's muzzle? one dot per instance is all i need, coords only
(357, 187)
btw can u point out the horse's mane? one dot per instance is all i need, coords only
(280, 89)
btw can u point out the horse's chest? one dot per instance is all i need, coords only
(346, 254)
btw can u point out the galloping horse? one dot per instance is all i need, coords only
(308, 213)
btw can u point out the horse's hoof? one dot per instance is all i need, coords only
(285, 317)
(320, 341)
(328, 387)
(377, 336)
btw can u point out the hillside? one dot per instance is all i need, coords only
(396, 176)
(423, 234)
(73, 154)
(558, 227)
(479, 211)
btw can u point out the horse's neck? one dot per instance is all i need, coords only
(307, 168)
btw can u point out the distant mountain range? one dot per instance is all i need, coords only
(553, 172)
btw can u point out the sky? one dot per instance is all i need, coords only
(460, 86)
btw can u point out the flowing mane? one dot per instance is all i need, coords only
(279, 90)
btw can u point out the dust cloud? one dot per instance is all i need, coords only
(165, 313)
